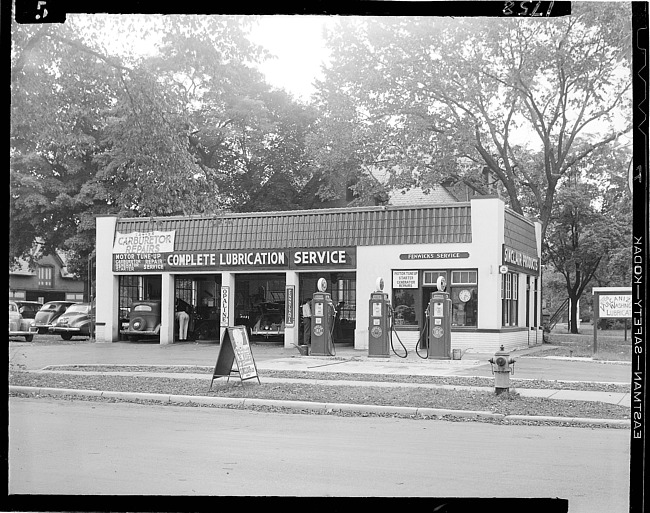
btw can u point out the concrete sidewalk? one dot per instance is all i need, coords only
(621, 399)
(46, 358)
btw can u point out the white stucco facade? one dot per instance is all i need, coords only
(482, 255)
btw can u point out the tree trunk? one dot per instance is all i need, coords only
(573, 315)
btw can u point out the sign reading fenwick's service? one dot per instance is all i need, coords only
(516, 260)
(434, 256)
(154, 251)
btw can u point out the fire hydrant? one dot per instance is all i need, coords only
(502, 373)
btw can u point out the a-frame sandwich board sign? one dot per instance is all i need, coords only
(235, 347)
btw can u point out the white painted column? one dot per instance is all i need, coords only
(488, 231)
(167, 312)
(365, 286)
(292, 333)
(107, 293)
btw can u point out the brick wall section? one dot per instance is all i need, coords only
(479, 342)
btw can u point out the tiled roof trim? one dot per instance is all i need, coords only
(365, 226)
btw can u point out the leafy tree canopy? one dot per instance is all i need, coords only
(189, 126)
(420, 98)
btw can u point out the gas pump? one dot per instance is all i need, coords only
(322, 316)
(439, 320)
(379, 322)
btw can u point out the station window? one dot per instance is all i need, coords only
(184, 290)
(404, 311)
(509, 299)
(463, 291)
(45, 276)
(462, 286)
(431, 277)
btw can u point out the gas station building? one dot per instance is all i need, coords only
(256, 269)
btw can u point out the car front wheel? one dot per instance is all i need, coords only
(66, 336)
(29, 338)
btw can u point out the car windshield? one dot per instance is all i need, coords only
(28, 310)
(78, 309)
(50, 307)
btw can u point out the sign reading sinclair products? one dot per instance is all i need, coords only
(154, 251)
(518, 261)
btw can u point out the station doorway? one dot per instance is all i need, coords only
(342, 286)
(198, 295)
(136, 288)
(259, 305)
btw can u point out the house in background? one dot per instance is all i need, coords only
(49, 280)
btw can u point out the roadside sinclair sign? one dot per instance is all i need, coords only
(615, 306)
(610, 303)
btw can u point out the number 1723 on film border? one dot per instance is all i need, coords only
(530, 9)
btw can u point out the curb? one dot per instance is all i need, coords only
(307, 405)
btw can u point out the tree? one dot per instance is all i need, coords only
(590, 232)
(98, 129)
(420, 96)
(259, 149)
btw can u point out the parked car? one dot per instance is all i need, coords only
(28, 309)
(144, 320)
(271, 320)
(19, 327)
(77, 320)
(49, 313)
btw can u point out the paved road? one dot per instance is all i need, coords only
(74, 447)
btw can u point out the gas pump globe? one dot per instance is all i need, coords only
(379, 322)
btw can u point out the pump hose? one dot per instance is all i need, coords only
(332, 351)
(424, 329)
(392, 330)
